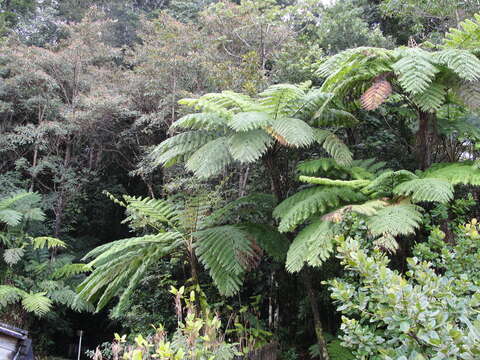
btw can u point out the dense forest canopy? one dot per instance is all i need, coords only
(185, 179)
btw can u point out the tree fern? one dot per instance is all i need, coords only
(172, 150)
(227, 251)
(235, 128)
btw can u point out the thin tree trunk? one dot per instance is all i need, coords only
(317, 322)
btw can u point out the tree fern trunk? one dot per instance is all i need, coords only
(424, 139)
(317, 322)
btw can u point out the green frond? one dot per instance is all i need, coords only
(245, 121)
(414, 69)
(211, 159)
(466, 36)
(461, 62)
(174, 149)
(13, 256)
(368, 208)
(354, 184)
(133, 279)
(10, 295)
(225, 103)
(167, 241)
(69, 270)
(455, 173)
(37, 303)
(296, 209)
(201, 121)
(321, 166)
(432, 98)
(312, 246)
(279, 100)
(10, 217)
(428, 189)
(249, 146)
(116, 265)
(221, 250)
(398, 219)
(315, 100)
(388, 180)
(48, 242)
(151, 211)
(334, 146)
(292, 132)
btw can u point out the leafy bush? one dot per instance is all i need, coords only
(424, 314)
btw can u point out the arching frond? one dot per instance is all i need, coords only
(225, 103)
(269, 239)
(334, 146)
(296, 209)
(312, 246)
(201, 121)
(292, 132)
(282, 99)
(37, 303)
(210, 159)
(151, 212)
(172, 150)
(249, 146)
(414, 69)
(461, 62)
(428, 189)
(69, 270)
(245, 121)
(455, 173)
(388, 180)
(398, 219)
(221, 250)
(432, 98)
(48, 242)
(354, 184)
